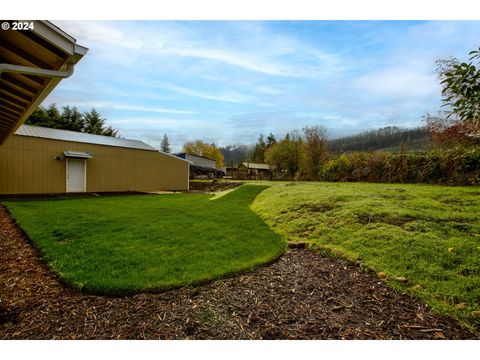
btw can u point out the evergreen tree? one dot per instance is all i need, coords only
(109, 131)
(72, 119)
(94, 124)
(286, 154)
(55, 118)
(270, 141)
(389, 137)
(235, 154)
(165, 145)
(39, 117)
(258, 153)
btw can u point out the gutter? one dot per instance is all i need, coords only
(25, 70)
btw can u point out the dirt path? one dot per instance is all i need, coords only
(301, 296)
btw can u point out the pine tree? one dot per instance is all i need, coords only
(72, 119)
(94, 124)
(165, 145)
(39, 118)
(271, 141)
(55, 118)
(258, 153)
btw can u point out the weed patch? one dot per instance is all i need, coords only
(315, 207)
(366, 219)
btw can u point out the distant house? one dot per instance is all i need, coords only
(201, 166)
(229, 172)
(255, 171)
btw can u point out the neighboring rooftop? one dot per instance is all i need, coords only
(67, 135)
(251, 165)
(182, 155)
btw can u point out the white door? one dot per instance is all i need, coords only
(76, 175)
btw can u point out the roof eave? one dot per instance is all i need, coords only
(66, 43)
(35, 104)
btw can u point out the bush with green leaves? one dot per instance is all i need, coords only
(453, 166)
(336, 170)
(461, 88)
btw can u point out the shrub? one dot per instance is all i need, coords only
(454, 166)
(336, 170)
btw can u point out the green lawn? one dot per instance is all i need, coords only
(428, 234)
(126, 244)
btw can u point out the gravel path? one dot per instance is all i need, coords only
(303, 295)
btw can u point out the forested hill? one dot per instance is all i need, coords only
(235, 154)
(388, 138)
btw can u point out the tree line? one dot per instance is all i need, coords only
(305, 155)
(387, 138)
(390, 137)
(300, 154)
(70, 118)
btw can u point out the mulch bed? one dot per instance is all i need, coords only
(213, 186)
(303, 295)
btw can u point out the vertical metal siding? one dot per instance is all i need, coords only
(28, 166)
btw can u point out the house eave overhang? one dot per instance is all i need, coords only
(32, 64)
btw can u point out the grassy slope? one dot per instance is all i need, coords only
(403, 230)
(123, 244)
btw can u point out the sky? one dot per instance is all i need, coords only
(228, 81)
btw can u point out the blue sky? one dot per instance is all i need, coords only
(228, 81)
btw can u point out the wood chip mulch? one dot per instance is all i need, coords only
(303, 295)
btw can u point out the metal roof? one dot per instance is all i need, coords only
(77, 154)
(32, 63)
(256, 166)
(66, 135)
(182, 155)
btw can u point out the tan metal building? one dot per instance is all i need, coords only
(38, 160)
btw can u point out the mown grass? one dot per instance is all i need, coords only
(127, 244)
(428, 234)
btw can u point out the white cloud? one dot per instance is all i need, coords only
(159, 123)
(229, 96)
(239, 59)
(98, 32)
(398, 82)
(258, 50)
(122, 106)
